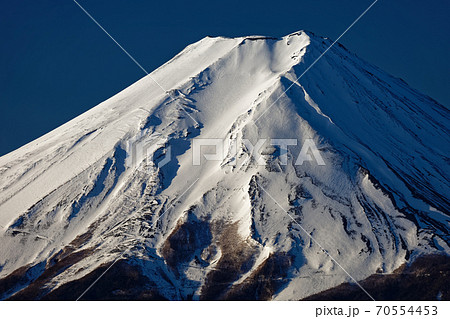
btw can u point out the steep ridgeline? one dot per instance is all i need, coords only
(95, 190)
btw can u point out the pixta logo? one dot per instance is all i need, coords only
(152, 152)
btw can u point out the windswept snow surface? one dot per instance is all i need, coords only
(381, 198)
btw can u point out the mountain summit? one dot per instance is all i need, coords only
(222, 176)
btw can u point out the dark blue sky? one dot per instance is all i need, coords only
(56, 63)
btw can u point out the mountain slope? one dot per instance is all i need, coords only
(96, 189)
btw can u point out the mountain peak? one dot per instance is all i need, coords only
(234, 156)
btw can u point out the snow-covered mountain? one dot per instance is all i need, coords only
(118, 188)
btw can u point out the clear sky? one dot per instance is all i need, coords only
(56, 63)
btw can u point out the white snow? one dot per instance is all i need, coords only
(54, 188)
